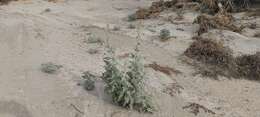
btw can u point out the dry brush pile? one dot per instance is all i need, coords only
(159, 6)
(222, 20)
(205, 6)
(214, 6)
(154, 9)
(249, 66)
(218, 60)
(216, 13)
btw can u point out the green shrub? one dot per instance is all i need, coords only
(165, 34)
(126, 87)
(131, 17)
(92, 39)
(92, 51)
(89, 83)
(50, 68)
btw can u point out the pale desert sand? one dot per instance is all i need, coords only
(32, 35)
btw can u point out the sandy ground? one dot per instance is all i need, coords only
(35, 32)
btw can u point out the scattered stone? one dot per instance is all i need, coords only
(154, 9)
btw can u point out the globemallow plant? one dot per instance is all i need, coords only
(126, 87)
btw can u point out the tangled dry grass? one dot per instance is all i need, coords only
(159, 6)
(154, 9)
(222, 20)
(214, 6)
(209, 51)
(206, 6)
(249, 66)
(219, 60)
(196, 108)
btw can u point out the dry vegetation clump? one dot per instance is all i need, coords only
(214, 6)
(89, 83)
(173, 89)
(218, 60)
(50, 67)
(249, 66)
(195, 109)
(93, 39)
(253, 13)
(206, 6)
(210, 71)
(164, 69)
(165, 34)
(154, 9)
(221, 20)
(5, 1)
(257, 34)
(209, 51)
